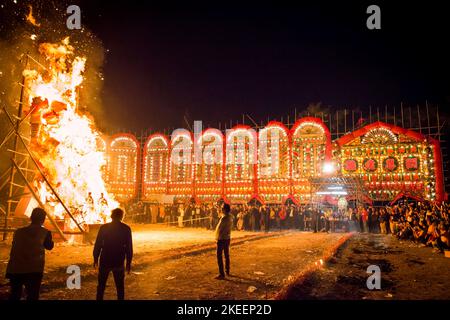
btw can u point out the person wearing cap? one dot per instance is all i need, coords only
(27, 258)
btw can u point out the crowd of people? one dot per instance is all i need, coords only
(249, 217)
(422, 222)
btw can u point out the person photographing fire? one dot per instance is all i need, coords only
(223, 236)
(112, 247)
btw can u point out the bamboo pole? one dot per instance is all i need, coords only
(58, 229)
(45, 178)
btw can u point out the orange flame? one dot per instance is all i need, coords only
(66, 142)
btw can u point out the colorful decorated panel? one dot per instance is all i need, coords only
(311, 147)
(123, 157)
(181, 164)
(241, 162)
(209, 168)
(155, 166)
(389, 160)
(273, 162)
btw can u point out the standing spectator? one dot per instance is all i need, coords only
(392, 221)
(215, 216)
(223, 236)
(364, 219)
(375, 221)
(193, 213)
(187, 216)
(181, 215)
(234, 213)
(369, 219)
(257, 214)
(290, 216)
(315, 220)
(27, 258)
(240, 220)
(113, 246)
(301, 218)
(262, 217)
(168, 214)
(154, 213)
(197, 216)
(280, 216)
(162, 213)
(384, 220)
(252, 218)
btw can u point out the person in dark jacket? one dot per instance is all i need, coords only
(113, 246)
(27, 258)
(223, 236)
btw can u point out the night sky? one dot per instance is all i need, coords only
(214, 61)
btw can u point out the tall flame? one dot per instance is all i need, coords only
(66, 142)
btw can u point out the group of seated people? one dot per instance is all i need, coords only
(423, 223)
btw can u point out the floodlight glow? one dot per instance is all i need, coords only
(328, 167)
(332, 193)
(335, 188)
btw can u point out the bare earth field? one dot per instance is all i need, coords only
(172, 263)
(408, 272)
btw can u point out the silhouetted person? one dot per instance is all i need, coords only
(113, 245)
(223, 236)
(27, 258)
(315, 219)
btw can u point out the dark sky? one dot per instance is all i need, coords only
(213, 61)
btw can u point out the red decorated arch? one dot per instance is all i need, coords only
(241, 163)
(181, 167)
(310, 150)
(122, 165)
(155, 166)
(274, 162)
(209, 165)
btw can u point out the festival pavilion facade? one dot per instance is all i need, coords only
(390, 161)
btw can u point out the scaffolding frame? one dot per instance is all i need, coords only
(354, 187)
(26, 167)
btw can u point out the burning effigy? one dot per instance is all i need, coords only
(65, 141)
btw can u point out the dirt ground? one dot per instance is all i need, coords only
(150, 242)
(180, 264)
(408, 272)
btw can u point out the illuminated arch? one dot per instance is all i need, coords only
(310, 149)
(209, 169)
(155, 165)
(181, 166)
(123, 161)
(241, 163)
(274, 165)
